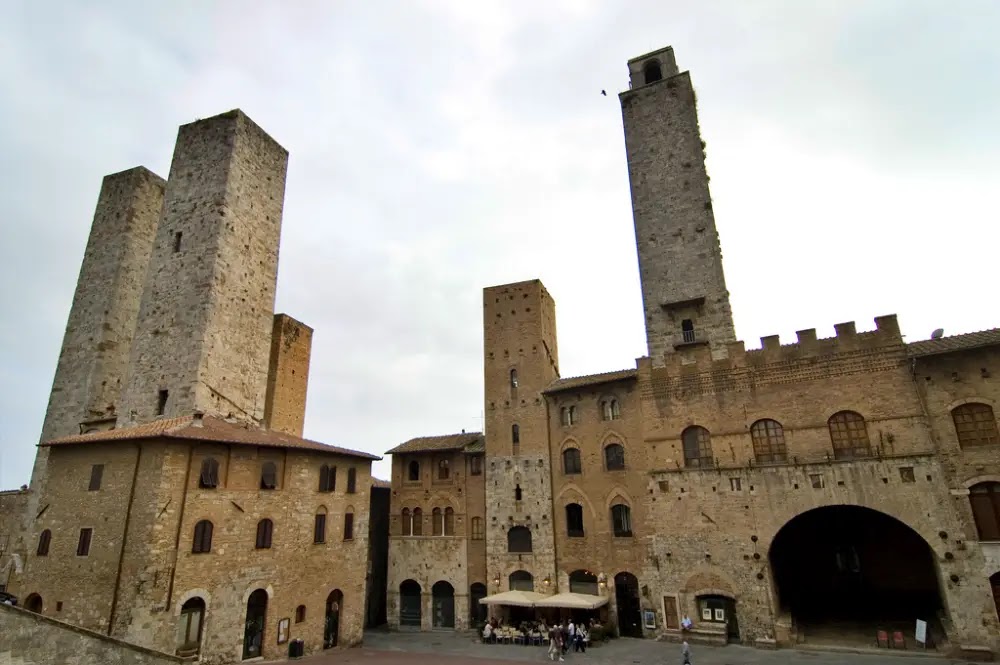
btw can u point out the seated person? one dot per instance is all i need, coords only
(686, 623)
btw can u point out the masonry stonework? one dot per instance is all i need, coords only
(288, 375)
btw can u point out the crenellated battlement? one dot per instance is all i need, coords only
(808, 346)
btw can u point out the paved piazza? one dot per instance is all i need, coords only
(384, 648)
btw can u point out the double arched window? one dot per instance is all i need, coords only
(610, 409)
(768, 441)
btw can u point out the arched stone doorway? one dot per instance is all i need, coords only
(409, 604)
(850, 570)
(628, 604)
(253, 629)
(477, 612)
(189, 627)
(331, 624)
(995, 584)
(444, 605)
(33, 603)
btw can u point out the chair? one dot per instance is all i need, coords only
(882, 639)
(898, 641)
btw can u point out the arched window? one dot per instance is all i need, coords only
(406, 526)
(352, 480)
(975, 425)
(300, 614)
(697, 447)
(349, 524)
(849, 435)
(985, 500)
(327, 478)
(268, 476)
(413, 470)
(449, 521)
(621, 520)
(444, 469)
(574, 520)
(768, 441)
(265, 528)
(583, 581)
(437, 522)
(44, 538)
(610, 409)
(614, 457)
(519, 539)
(209, 476)
(319, 526)
(651, 71)
(477, 528)
(418, 522)
(189, 631)
(517, 493)
(571, 461)
(202, 541)
(513, 378)
(521, 580)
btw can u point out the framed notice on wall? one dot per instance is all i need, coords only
(649, 619)
(283, 630)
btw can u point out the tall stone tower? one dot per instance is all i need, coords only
(95, 349)
(684, 294)
(520, 360)
(203, 337)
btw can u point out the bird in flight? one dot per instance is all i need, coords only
(604, 93)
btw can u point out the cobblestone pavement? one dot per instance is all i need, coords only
(384, 648)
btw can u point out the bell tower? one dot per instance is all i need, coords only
(684, 295)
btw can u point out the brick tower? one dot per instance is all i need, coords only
(95, 348)
(203, 337)
(520, 360)
(684, 294)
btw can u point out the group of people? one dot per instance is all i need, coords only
(562, 637)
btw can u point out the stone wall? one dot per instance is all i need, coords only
(204, 327)
(680, 258)
(13, 538)
(288, 375)
(30, 639)
(428, 560)
(95, 350)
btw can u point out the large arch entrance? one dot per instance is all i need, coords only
(409, 604)
(845, 572)
(444, 605)
(628, 604)
(253, 630)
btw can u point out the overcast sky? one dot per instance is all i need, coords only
(438, 147)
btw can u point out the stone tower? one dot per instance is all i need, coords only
(288, 375)
(684, 294)
(203, 337)
(95, 349)
(520, 361)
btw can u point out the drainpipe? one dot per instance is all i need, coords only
(121, 553)
(180, 519)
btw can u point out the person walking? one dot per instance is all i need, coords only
(686, 653)
(555, 648)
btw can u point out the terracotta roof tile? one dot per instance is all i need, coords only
(478, 446)
(589, 380)
(425, 444)
(209, 429)
(930, 347)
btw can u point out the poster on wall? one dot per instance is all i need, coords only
(706, 614)
(283, 630)
(649, 619)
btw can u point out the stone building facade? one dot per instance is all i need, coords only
(174, 503)
(826, 487)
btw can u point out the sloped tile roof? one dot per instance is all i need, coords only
(589, 380)
(930, 347)
(478, 446)
(425, 444)
(209, 429)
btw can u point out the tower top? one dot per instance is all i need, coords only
(652, 67)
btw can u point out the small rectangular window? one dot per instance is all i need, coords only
(906, 474)
(96, 473)
(161, 402)
(476, 465)
(177, 241)
(352, 480)
(816, 480)
(319, 529)
(349, 526)
(735, 484)
(83, 545)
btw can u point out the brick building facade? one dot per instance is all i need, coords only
(829, 486)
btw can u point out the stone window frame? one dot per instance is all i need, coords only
(768, 438)
(83, 544)
(208, 474)
(696, 442)
(849, 435)
(610, 408)
(522, 577)
(567, 455)
(412, 466)
(201, 538)
(300, 614)
(580, 532)
(442, 469)
(567, 416)
(519, 543)
(44, 542)
(477, 529)
(265, 534)
(352, 480)
(349, 523)
(975, 424)
(621, 519)
(327, 478)
(268, 475)
(319, 526)
(612, 460)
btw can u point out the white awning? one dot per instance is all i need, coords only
(515, 598)
(573, 601)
